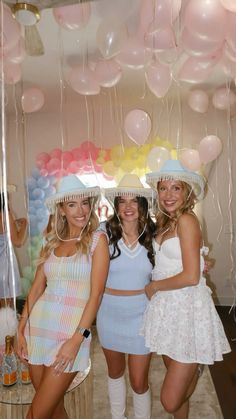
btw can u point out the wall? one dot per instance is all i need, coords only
(99, 118)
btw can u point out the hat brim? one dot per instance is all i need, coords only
(52, 201)
(112, 193)
(196, 181)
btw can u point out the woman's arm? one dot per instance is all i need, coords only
(18, 230)
(189, 234)
(99, 271)
(35, 292)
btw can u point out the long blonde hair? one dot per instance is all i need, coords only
(59, 227)
(164, 221)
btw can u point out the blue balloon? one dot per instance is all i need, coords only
(31, 183)
(41, 214)
(35, 173)
(38, 193)
(38, 203)
(51, 190)
(42, 225)
(52, 179)
(32, 209)
(43, 182)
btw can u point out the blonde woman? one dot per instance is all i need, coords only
(54, 330)
(181, 322)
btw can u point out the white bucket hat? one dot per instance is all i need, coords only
(129, 185)
(70, 187)
(173, 170)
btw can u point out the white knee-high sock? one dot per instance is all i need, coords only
(117, 396)
(142, 405)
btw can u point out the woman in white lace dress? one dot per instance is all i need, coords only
(180, 322)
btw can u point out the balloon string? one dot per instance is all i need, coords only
(230, 192)
(62, 90)
(87, 115)
(119, 117)
(218, 205)
(3, 173)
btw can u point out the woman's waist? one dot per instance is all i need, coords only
(122, 292)
(65, 299)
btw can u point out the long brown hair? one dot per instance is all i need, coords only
(114, 229)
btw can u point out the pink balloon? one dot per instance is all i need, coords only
(162, 12)
(209, 148)
(223, 98)
(145, 15)
(66, 158)
(32, 100)
(137, 126)
(17, 53)
(229, 66)
(206, 18)
(74, 167)
(197, 69)
(160, 39)
(229, 52)
(111, 37)
(198, 100)
(194, 44)
(12, 73)
(107, 72)
(45, 157)
(229, 5)
(53, 166)
(158, 78)
(134, 54)
(190, 159)
(83, 81)
(231, 30)
(9, 29)
(73, 17)
(40, 164)
(56, 153)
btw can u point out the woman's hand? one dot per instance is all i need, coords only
(150, 289)
(21, 347)
(67, 354)
(208, 265)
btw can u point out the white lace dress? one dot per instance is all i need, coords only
(182, 323)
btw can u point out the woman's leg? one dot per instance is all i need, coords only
(116, 383)
(179, 384)
(50, 389)
(138, 375)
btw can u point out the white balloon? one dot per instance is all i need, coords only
(157, 157)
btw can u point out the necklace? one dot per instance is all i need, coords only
(124, 234)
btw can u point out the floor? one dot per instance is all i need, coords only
(210, 401)
(224, 373)
(204, 402)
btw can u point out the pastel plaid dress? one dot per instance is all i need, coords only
(57, 312)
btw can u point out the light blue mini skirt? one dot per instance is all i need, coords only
(119, 321)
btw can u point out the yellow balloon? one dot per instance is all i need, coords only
(174, 154)
(167, 144)
(117, 152)
(109, 168)
(127, 165)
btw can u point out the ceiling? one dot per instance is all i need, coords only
(64, 49)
